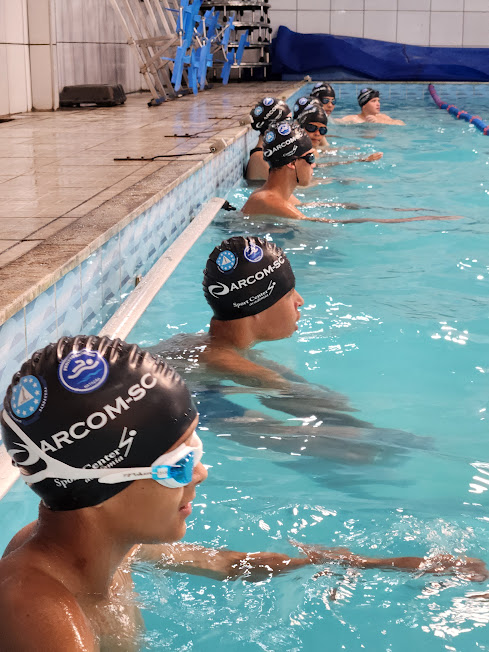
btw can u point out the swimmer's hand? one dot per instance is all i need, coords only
(370, 118)
(470, 568)
(373, 157)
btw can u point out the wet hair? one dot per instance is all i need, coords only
(245, 275)
(92, 402)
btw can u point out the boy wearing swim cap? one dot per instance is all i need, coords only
(268, 110)
(326, 95)
(312, 118)
(105, 434)
(369, 102)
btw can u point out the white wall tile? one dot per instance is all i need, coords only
(38, 21)
(380, 25)
(4, 94)
(18, 86)
(319, 5)
(476, 29)
(289, 5)
(345, 5)
(446, 28)
(413, 27)
(3, 27)
(347, 23)
(41, 77)
(286, 18)
(313, 22)
(14, 16)
(381, 5)
(414, 5)
(448, 5)
(476, 5)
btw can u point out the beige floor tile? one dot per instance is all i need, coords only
(14, 229)
(50, 229)
(6, 244)
(17, 251)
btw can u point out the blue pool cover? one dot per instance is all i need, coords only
(305, 54)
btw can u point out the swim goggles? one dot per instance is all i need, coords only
(173, 469)
(312, 129)
(308, 158)
(328, 100)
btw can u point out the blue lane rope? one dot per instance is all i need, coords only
(457, 113)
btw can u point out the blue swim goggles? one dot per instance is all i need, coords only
(172, 469)
(328, 100)
(312, 129)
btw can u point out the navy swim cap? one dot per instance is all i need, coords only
(367, 94)
(244, 276)
(323, 89)
(312, 112)
(92, 403)
(285, 142)
(267, 111)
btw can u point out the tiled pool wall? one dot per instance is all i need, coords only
(87, 296)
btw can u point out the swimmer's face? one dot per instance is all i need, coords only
(152, 513)
(372, 107)
(328, 105)
(304, 169)
(280, 320)
(316, 138)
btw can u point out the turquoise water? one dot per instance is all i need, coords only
(396, 319)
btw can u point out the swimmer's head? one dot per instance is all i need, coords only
(268, 110)
(323, 89)
(91, 403)
(309, 106)
(244, 276)
(366, 95)
(285, 142)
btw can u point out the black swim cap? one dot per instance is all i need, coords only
(367, 94)
(92, 403)
(244, 276)
(323, 89)
(312, 112)
(267, 111)
(285, 142)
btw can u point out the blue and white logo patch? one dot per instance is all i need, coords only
(296, 108)
(258, 110)
(268, 101)
(83, 372)
(269, 137)
(253, 253)
(303, 100)
(226, 261)
(27, 397)
(284, 129)
(318, 85)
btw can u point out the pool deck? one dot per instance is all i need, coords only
(62, 195)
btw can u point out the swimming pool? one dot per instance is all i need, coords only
(395, 318)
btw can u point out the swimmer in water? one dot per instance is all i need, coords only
(312, 118)
(325, 93)
(290, 155)
(369, 102)
(115, 459)
(268, 110)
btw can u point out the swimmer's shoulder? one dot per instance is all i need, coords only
(37, 612)
(183, 345)
(20, 538)
(349, 119)
(266, 202)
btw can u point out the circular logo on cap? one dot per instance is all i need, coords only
(296, 107)
(226, 261)
(318, 85)
(303, 100)
(83, 371)
(253, 253)
(284, 129)
(27, 397)
(258, 110)
(268, 101)
(364, 90)
(269, 137)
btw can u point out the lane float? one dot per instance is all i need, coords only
(476, 120)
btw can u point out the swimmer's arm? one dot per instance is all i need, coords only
(386, 119)
(347, 119)
(441, 564)
(242, 370)
(219, 564)
(363, 159)
(41, 615)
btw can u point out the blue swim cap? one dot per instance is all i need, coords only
(92, 403)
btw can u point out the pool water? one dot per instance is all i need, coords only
(396, 319)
